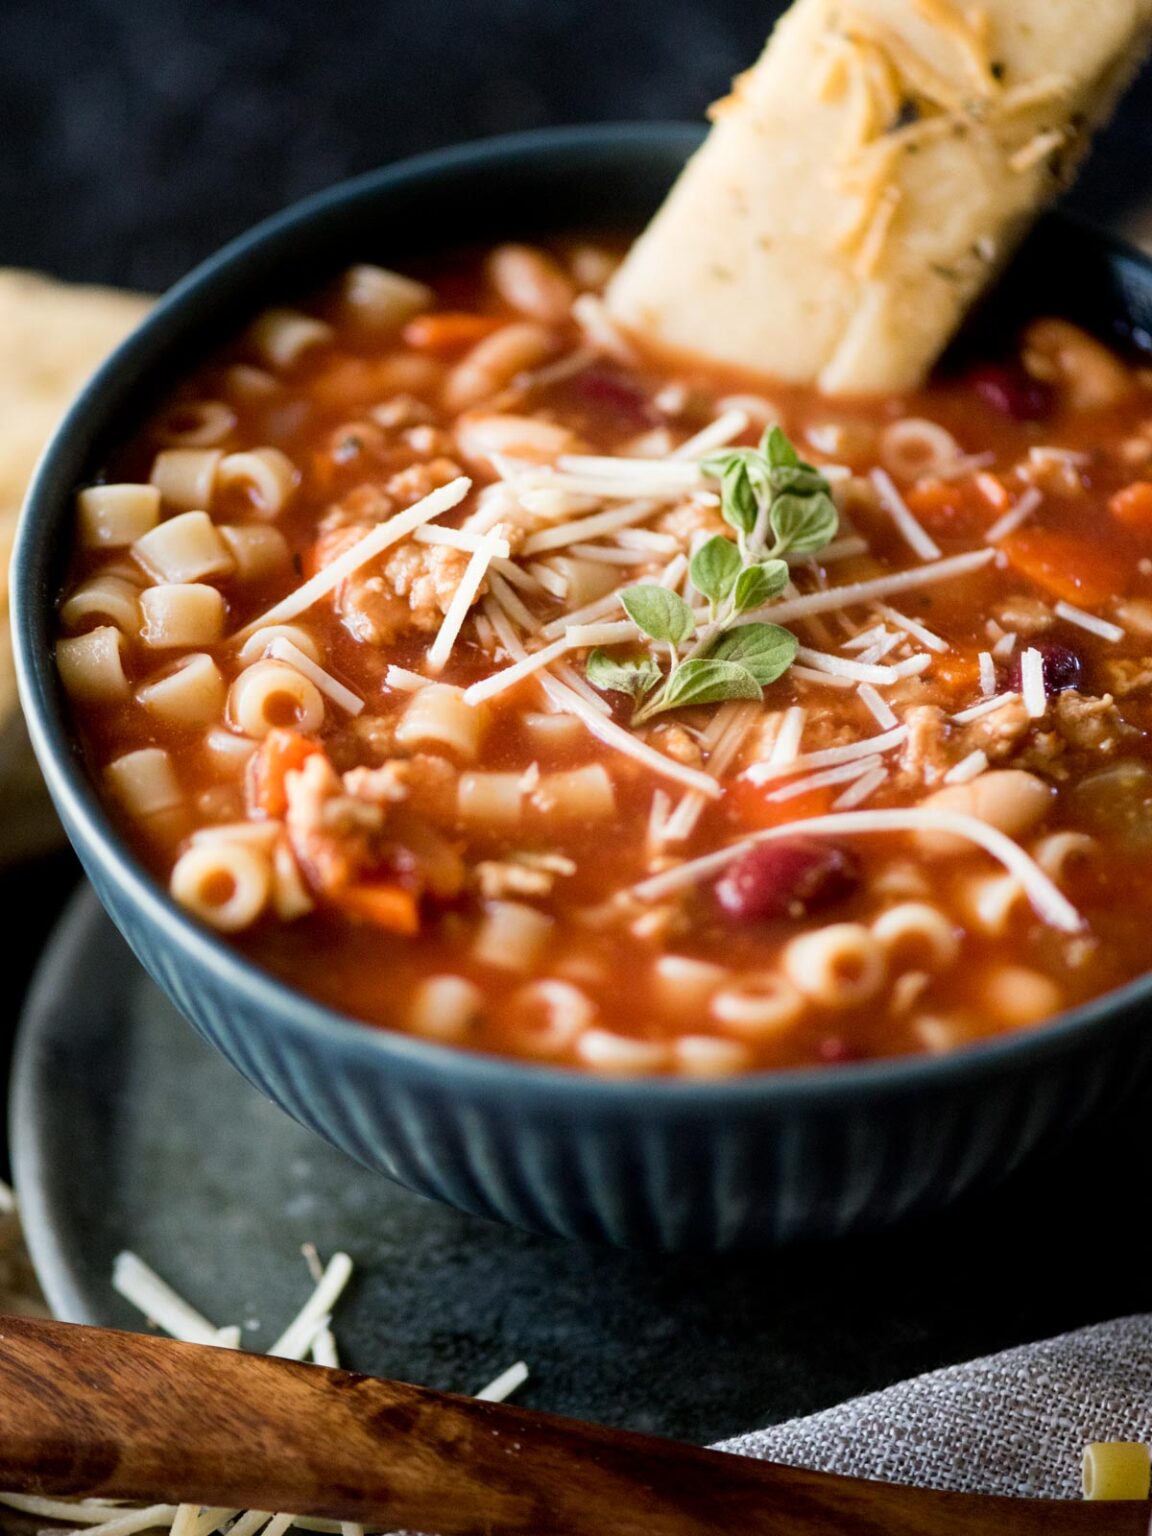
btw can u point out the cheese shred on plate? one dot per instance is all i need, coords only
(307, 1336)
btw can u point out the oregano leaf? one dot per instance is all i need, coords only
(759, 584)
(702, 680)
(776, 448)
(662, 614)
(803, 524)
(715, 568)
(801, 478)
(764, 650)
(738, 503)
(635, 677)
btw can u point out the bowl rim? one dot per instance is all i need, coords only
(91, 828)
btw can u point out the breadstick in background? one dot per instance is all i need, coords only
(52, 336)
(869, 176)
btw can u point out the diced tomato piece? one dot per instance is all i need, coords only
(1133, 506)
(1076, 569)
(382, 905)
(280, 753)
(751, 808)
(449, 332)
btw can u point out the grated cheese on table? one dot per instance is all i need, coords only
(307, 1335)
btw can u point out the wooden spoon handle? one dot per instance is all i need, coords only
(89, 1411)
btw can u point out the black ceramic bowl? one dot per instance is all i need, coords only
(657, 1163)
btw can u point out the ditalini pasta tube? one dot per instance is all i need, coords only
(868, 176)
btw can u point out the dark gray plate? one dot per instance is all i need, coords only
(129, 1132)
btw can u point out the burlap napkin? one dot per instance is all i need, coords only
(1014, 1423)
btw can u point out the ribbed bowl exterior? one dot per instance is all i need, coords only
(657, 1164)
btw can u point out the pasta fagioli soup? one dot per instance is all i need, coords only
(492, 680)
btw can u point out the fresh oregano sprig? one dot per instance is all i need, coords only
(777, 506)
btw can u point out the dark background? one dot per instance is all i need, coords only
(136, 136)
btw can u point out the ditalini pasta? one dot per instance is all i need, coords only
(496, 682)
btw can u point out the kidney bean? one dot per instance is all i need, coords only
(1007, 388)
(834, 1049)
(601, 388)
(1061, 665)
(789, 878)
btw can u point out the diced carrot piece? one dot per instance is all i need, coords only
(958, 669)
(948, 508)
(449, 332)
(279, 754)
(1133, 506)
(381, 905)
(1078, 570)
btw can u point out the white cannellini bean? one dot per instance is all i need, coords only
(495, 362)
(521, 437)
(530, 280)
(1009, 799)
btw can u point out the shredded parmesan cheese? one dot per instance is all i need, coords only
(860, 789)
(969, 767)
(839, 775)
(296, 1340)
(1046, 899)
(510, 601)
(878, 706)
(284, 650)
(580, 530)
(504, 1385)
(799, 672)
(508, 677)
(1015, 517)
(717, 434)
(591, 315)
(860, 671)
(987, 674)
(1032, 683)
(464, 596)
(871, 746)
(913, 627)
(566, 698)
(1089, 621)
(917, 538)
(855, 592)
(374, 543)
(786, 748)
(459, 538)
(985, 707)
(157, 1301)
(404, 680)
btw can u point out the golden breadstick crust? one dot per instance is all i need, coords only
(52, 336)
(868, 176)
